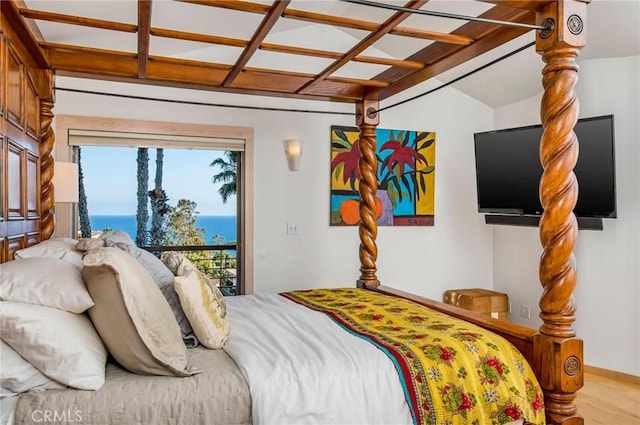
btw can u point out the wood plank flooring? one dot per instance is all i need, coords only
(607, 400)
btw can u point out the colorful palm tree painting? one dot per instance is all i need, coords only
(406, 177)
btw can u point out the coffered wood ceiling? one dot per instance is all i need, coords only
(283, 48)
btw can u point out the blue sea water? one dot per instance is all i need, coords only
(222, 225)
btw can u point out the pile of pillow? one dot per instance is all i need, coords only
(66, 304)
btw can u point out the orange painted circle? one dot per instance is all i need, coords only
(349, 211)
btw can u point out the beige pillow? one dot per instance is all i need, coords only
(88, 244)
(132, 316)
(46, 281)
(205, 308)
(61, 248)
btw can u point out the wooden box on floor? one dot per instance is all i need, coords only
(491, 303)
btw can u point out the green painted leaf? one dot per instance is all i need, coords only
(335, 217)
(402, 137)
(340, 144)
(393, 194)
(427, 143)
(420, 136)
(338, 170)
(342, 135)
(406, 183)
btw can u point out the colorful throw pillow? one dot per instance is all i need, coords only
(63, 346)
(132, 316)
(45, 281)
(205, 307)
(60, 248)
(172, 260)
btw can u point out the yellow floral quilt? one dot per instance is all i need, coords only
(452, 372)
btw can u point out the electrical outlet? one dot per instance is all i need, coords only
(525, 311)
(292, 229)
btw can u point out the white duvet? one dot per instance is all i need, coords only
(303, 368)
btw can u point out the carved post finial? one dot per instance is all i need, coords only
(558, 352)
(367, 119)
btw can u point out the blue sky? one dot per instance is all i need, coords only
(110, 179)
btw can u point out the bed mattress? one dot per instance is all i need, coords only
(218, 395)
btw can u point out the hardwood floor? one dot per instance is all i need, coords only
(608, 400)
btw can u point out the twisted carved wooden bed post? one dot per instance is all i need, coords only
(367, 119)
(557, 351)
(47, 139)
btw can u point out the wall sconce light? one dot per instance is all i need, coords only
(65, 182)
(293, 151)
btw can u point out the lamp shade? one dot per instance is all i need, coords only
(65, 182)
(293, 151)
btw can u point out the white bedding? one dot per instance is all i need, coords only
(7, 410)
(303, 368)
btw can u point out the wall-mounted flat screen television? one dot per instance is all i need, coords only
(508, 169)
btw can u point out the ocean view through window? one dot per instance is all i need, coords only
(221, 225)
(165, 200)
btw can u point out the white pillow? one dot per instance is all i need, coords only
(62, 345)
(61, 248)
(205, 308)
(18, 375)
(44, 281)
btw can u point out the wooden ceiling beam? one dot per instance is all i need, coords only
(359, 81)
(340, 21)
(20, 26)
(144, 36)
(390, 62)
(336, 55)
(78, 20)
(90, 50)
(432, 35)
(441, 57)
(280, 48)
(122, 66)
(521, 4)
(320, 18)
(20, 4)
(201, 38)
(366, 42)
(241, 6)
(258, 37)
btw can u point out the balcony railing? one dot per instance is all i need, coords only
(218, 262)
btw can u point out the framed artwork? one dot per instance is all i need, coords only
(406, 177)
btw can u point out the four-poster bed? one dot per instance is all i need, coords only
(29, 60)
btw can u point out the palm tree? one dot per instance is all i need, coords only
(228, 174)
(83, 210)
(142, 215)
(159, 205)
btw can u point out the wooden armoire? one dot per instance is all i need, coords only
(26, 136)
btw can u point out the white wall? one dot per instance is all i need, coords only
(460, 250)
(608, 289)
(456, 252)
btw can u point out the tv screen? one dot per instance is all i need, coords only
(508, 169)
